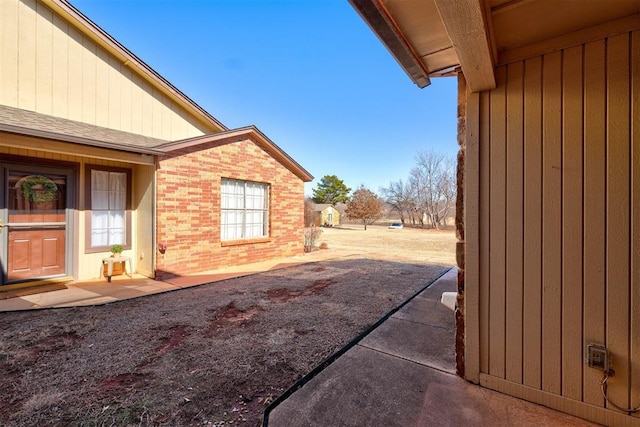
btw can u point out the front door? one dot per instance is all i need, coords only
(35, 222)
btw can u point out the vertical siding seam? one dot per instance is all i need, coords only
(630, 224)
(490, 95)
(36, 84)
(82, 77)
(561, 186)
(541, 239)
(584, 130)
(522, 190)
(52, 54)
(506, 230)
(18, 56)
(605, 190)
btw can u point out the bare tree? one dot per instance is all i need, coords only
(432, 182)
(399, 196)
(311, 216)
(365, 206)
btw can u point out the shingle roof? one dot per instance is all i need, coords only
(24, 122)
(30, 123)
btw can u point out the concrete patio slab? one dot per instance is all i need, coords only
(427, 345)
(426, 311)
(402, 374)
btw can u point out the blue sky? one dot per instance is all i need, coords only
(310, 74)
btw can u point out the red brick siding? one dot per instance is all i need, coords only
(188, 208)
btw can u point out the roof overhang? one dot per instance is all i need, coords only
(432, 38)
(250, 132)
(466, 27)
(380, 21)
(18, 137)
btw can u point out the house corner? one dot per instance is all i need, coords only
(460, 244)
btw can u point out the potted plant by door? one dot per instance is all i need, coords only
(116, 250)
(118, 267)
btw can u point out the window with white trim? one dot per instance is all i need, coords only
(109, 221)
(245, 210)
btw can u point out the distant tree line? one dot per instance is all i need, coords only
(363, 205)
(428, 196)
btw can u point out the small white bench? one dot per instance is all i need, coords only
(109, 261)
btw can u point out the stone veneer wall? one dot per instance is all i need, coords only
(460, 245)
(188, 208)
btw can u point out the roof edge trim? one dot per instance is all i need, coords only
(54, 136)
(380, 21)
(250, 132)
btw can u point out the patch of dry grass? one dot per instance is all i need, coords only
(205, 355)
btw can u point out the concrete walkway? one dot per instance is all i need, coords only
(403, 374)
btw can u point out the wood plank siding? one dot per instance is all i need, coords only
(69, 75)
(559, 226)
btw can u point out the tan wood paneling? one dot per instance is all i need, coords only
(44, 61)
(9, 37)
(26, 63)
(497, 224)
(572, 119)
(617, 232)
(144, 202)
(147, 109)
(515, 203)
(596, 414)
(579, 225)
(126, 98)
(50, 67)
(103, 90)
(532, 333)
(137, 107)
(484, 231)
(594, 206)
(74, 74)
(551, 222)
(60, 86)
(634, 337)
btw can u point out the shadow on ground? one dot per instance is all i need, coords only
(201, 355)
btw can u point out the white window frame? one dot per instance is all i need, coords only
(244, 210)
(118, 208)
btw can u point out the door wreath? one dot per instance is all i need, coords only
(38, 188)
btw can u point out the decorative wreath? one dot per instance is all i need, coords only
(38, 188)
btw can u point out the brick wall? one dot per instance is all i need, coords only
(188, 208)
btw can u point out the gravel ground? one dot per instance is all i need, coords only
(211, 355)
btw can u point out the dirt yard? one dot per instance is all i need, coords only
(212, 355)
